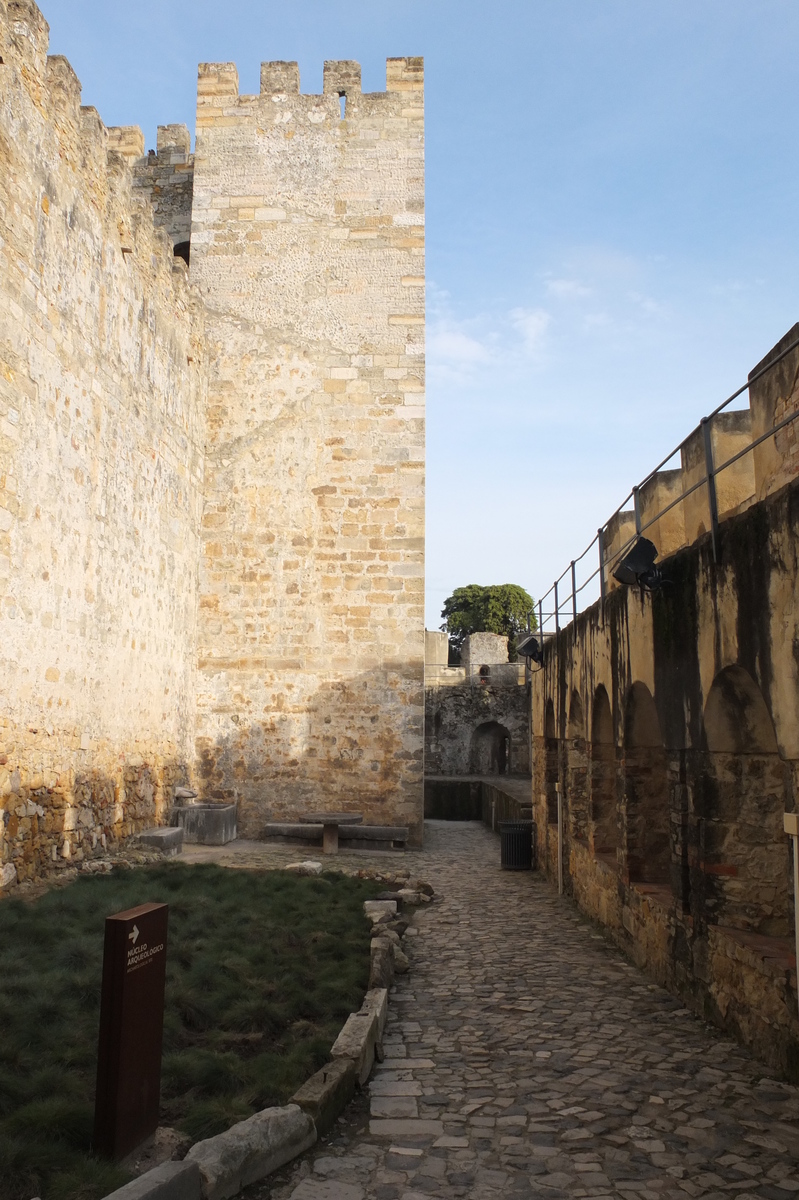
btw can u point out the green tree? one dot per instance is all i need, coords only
(500, 608)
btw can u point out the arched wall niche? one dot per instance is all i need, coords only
(744, 856)
(604, 825)
(490, 749)
(577, 785)
(551, 763)
(736, 717)
(646, 791)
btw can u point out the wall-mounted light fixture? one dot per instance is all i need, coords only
(528, 647)
(638, 567)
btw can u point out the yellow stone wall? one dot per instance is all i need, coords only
(102, 411)
(308, 249)
(673, 800)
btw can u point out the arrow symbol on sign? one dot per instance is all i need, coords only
(134, 934)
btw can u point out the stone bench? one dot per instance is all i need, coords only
(352, 837)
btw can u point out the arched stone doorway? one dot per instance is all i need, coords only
(490, 749)
(744, 854)
(648, 825)
(604, 811)
(577, 770)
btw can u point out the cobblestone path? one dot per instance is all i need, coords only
(527, 1058)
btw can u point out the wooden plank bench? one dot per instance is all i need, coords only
(351, 837)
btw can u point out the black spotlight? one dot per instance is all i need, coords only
(638, 566)
(528, 647)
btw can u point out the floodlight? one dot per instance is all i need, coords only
(638, 566)
(528, 647)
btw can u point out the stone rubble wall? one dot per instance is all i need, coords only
(102, 409)
(454, 713)
(308, 246)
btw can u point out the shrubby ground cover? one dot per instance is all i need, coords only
(262, 971)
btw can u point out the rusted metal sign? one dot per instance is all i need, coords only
(131, 1030)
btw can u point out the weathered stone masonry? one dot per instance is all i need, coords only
(308, 248)
(670, 723)
(108, 539)
(102, 406)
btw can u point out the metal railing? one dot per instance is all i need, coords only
(708, 480)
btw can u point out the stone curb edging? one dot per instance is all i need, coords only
(218, 1167)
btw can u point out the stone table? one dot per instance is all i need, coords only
(330, 823)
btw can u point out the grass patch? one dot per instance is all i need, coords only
(262, 971)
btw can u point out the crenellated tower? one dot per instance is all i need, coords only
(308, 248)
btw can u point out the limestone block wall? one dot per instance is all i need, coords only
(308, 247)
(102, 413)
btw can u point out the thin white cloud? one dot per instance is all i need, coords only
(567, 289)
(532, 324)
(449, 345)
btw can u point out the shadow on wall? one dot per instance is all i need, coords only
(603, 817)
(490, 749)
(744, 856)
(57, 825)
(646, 807)
(356, 745)
(730, 829)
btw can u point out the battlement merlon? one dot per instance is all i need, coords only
(127, 140)
(342, 78)
(175, 139)
(25, 34)
(218, 83)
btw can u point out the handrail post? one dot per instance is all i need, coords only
(541, 624)
(712, 499)
(600, 537)
(637, 509)
(574, 593)
(557, 616)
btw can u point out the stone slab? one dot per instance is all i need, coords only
(170, 1181)
(375, 909)
(406, 1127)
(168, 839)
(327, 1093)
(251, 1149)
(376, 1001)
(327, 1189)
(357, 1041)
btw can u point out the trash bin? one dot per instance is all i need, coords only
(516, 845)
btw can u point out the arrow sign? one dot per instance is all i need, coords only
(128, 1088)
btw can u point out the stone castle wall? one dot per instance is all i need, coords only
(668, 723)
(102, 411)
(477, 716)
(308, 248)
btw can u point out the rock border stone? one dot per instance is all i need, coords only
(218, 1167)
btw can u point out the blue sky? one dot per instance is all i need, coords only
(612, 225)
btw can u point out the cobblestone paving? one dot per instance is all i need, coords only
(526, 1058)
